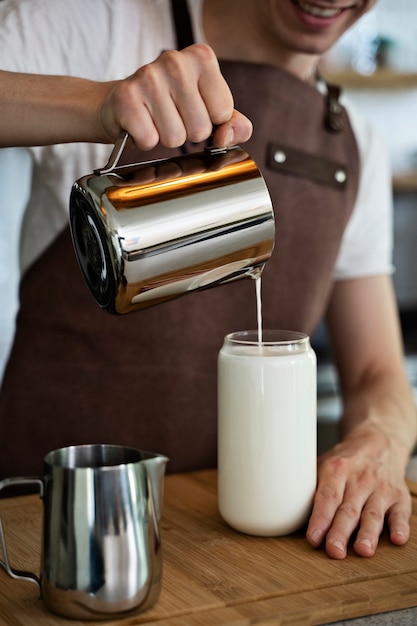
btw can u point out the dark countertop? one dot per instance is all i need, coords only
(405, 617)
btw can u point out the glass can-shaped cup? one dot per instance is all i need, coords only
(267, 431)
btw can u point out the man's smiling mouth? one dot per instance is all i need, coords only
(316, 11)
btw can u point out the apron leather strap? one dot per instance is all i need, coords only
(182, 23)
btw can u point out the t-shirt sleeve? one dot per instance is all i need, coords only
(49, 38)
(367, 244)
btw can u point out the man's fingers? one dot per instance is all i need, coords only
(178, 97)
(236, 131)
(356, 512)
(328, 498)
(342, 509)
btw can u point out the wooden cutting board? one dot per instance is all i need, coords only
(214, 576)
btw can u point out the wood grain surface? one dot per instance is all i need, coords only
(215, 576)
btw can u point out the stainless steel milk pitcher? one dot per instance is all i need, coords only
(148, 232)
(101, 554)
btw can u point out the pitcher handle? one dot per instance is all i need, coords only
(120, 145)
(4, 563)
(117, 151)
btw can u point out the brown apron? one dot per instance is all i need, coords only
(79, 375)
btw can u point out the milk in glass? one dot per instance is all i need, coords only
(266, 431)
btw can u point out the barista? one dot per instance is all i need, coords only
(149, 380)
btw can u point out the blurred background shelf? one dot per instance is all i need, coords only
(405, 183)
(380, 79)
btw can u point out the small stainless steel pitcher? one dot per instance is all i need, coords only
(148, 232)
(101, 542)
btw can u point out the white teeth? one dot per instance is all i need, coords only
(318, 11)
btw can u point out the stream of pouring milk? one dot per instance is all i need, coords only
(259, 308)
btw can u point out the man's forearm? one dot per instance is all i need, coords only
(382, 408)
(42, 110)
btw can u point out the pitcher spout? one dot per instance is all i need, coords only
(155, 470)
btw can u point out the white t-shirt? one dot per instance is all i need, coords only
(110, 39)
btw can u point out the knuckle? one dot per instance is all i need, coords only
(200, 133)
(173, 62)
(374, 515)
(402, 495)
(204, 53)
(329, 493)
(335, 466)
(174, 139)
(149, 78)
(146, 142)
(387, 492)
(399, 518)
(401, 504)
(223, 112)
(349, 510)
(144, 139)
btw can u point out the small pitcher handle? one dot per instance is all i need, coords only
(15, 573)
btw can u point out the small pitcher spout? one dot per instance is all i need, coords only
(155, 471)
